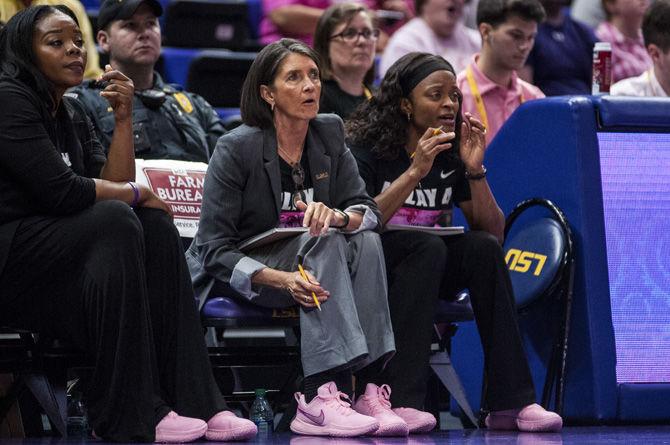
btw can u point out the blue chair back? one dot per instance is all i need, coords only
(535, 257)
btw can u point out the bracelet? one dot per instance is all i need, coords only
(345, 215)
(136, 194)
(475, 177)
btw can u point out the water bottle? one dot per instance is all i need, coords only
(77, 418)
(261, 414)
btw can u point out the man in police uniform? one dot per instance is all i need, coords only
(168, 123)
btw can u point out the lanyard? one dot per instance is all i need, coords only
(479, 102)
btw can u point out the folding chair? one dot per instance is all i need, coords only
(223, 313)
(539, 253)
(39, 365)
(448, 314)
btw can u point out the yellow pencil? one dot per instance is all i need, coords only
(304, 276)
(435, 133)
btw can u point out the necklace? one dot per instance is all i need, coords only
(287, 157)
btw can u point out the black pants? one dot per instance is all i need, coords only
(422, 268)
(114, 282)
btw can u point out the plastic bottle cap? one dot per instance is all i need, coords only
(259, 392)
(603, 46)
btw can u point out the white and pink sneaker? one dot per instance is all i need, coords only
(417, 421)
(532, 418)
(330, 414)
(376, 403)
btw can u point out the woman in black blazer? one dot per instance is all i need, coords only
(89, 256)
(289, 167)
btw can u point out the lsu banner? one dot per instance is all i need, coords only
(180, 185)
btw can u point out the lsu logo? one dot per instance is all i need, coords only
(520, 261)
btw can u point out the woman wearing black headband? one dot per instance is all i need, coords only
(419, 157)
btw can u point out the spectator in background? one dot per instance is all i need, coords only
(561, 59)
(10, 7)
(168, 123)
(345, 40)
(623, 31)
(438, 30)
(298, 18)
(656, 80)
(590, 12)
(490, 85)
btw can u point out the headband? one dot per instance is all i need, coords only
(412, 79)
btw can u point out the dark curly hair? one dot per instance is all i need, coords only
(380, 123)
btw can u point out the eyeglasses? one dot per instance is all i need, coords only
(298, 176)
(350, 35)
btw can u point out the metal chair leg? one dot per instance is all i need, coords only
(443, 367)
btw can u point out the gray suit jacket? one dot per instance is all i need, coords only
(242, 197)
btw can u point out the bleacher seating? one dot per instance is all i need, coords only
(218, 75)
(208, 24)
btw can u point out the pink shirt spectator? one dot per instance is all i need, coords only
(270, 33)
(416, 35)
(629, 56)
(499, 102)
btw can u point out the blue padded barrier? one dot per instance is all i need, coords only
(635, 402)
(549, 148)
(621, 111)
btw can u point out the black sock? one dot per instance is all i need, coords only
(312, 383)
(369, 374)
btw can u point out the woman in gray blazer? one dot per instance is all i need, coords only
(286, 167)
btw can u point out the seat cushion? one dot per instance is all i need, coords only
(231, 311)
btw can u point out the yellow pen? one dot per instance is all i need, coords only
(435, 133)
(304, 276)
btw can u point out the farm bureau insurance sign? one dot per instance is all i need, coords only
(180, 185)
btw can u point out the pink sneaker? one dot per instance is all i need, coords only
(532, 418)
(417, 421)
(174, 428)
(226, 426)
(330, 414)
(376, 403)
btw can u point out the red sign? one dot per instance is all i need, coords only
(180, 188)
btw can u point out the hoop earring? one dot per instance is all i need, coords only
(272, 107)
(409, 116)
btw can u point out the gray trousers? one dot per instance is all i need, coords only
(353, 329)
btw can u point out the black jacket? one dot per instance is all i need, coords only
(35, 150)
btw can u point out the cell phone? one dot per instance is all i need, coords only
(101, 84)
